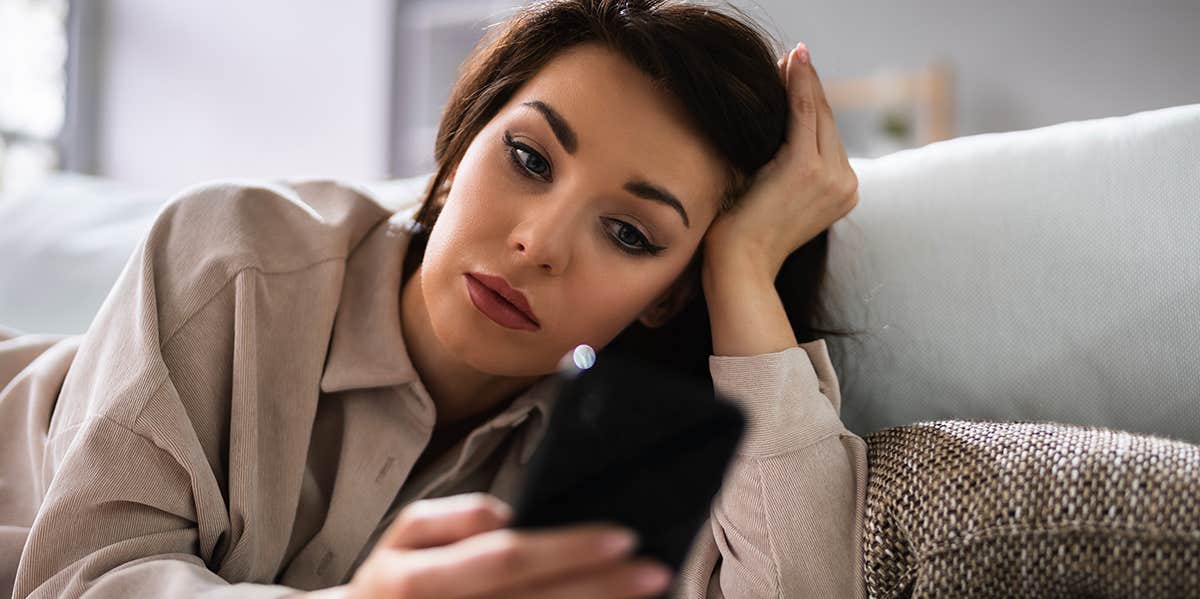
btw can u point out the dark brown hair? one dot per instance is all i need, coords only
(721, 68)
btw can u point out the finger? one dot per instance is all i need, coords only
(444, 520)
(637, 578)
(782, 64)
(510, 558)
(802, 113)
(829, 141)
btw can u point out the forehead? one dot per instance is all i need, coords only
(625, 123)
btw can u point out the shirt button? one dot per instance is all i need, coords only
(387, 465)
(323, 565)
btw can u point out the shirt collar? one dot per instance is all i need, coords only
(367, 346)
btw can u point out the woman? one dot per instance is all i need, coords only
(283, 371)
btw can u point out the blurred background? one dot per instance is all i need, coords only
(164, 94)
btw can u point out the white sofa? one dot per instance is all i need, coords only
(1050, 274)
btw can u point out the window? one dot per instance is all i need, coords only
(33, 54)
(433, 37)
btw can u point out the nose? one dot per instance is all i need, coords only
(543, 238)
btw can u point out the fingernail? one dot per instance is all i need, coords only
(652, 578)
(617, 542)
(802, 52)
(504, 511)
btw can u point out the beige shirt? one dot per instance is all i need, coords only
(242, 419)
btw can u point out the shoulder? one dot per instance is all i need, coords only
(272, 226)
(231, 273)
(208, 236)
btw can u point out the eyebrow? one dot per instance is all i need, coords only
(649, 191)
(563, 131)
(570, 142)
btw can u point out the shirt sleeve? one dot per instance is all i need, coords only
(121, 523)
(788, 519)
(133, 505)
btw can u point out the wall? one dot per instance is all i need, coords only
(1019, 64)
(187, 91)
(229, 88)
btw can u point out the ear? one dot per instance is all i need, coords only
(670, 303)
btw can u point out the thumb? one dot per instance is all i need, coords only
(445, 520)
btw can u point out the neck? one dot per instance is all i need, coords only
(462, 395)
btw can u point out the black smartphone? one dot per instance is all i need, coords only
(635, 445)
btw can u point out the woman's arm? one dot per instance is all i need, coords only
(745, 312)
(788, 519)
(152, 492)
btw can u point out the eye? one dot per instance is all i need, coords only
(629, 239)
(526, 159)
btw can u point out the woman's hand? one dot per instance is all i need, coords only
(805, 188)
(457, 547)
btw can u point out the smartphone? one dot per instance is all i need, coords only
(635, 445)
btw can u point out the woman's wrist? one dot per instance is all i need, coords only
(745, 312)
(735, 253)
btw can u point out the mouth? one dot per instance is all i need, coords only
(497, 300)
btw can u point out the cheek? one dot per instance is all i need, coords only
(472, 211)
(468, 219)
(601, 305)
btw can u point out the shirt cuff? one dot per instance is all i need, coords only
(780, 395)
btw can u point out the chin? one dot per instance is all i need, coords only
(487, 347)
(500, 357)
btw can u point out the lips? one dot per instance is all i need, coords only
(498, 301)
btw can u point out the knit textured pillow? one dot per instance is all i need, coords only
(967, 508)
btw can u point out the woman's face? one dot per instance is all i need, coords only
(589, 194)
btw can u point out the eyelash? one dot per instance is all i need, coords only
(644, 247)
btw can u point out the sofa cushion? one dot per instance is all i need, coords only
(1047, 274)
(64, 243)
(63, 246)
(960, 508)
